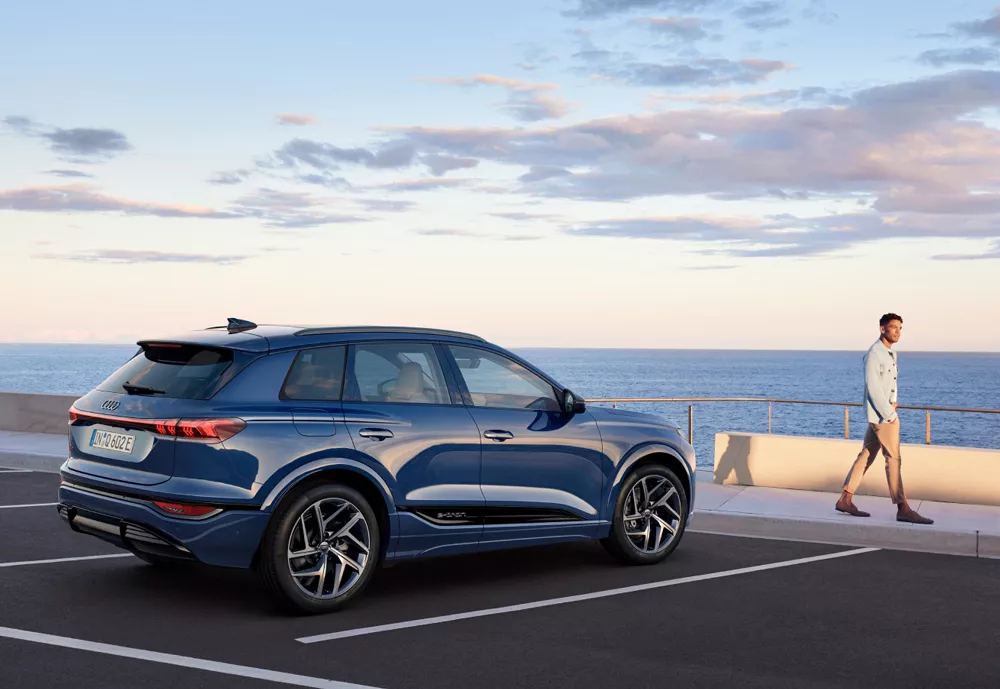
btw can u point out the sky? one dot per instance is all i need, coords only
(723, 174)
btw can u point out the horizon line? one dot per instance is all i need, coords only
(617, 348)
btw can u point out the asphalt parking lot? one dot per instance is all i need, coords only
(721, 612)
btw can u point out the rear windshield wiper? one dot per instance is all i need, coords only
(142, 390)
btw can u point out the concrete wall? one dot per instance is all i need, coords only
(930, 472)
(34, 413)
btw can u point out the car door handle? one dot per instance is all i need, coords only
(498, 436)
(376, 433)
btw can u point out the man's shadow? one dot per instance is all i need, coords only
(735, 461)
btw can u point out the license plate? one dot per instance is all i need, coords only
(116, 442)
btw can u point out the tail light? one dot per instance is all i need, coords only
(209, 430)
(182, 510)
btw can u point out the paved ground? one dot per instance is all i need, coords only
(841, 618)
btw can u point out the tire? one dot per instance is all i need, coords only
(658, 483)
(340, 506)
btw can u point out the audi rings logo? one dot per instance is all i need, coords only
(110, 405)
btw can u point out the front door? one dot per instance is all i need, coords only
(401, 414)
(542, 468)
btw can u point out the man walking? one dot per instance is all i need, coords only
(881, 373)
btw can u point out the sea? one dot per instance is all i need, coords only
(926, 379)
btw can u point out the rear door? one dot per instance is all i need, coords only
(123, 430)
(402, 413)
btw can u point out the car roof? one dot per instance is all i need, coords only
(250, 337)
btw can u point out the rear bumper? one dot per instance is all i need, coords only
(229, 538)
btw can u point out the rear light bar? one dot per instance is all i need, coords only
(182, 510)
(210, 430)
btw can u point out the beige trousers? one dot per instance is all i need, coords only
(885, 437)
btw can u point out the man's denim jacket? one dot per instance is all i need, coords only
(881, 373)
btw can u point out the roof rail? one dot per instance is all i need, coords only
(337, 330)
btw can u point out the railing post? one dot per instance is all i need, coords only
(927, 424)
(847, 423)
(614, 405)
(768, 417)
(690, 424)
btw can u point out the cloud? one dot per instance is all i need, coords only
(680, 29)
(818, 10)
(295, 120)
(449, 233)
(697, 72)
(325, 157)
(536, 56)
(68, 173)
(938, 204)
(85, 199)
(907, 135)
(424, 184)
(440, 164)
(959, 56)
(982, 28)
(993, 253)
(272, 208)
(78, 145)
(385, 205)
(714, 267)
(526, 101)
(227, 178)
(520, 237)
(540, 173)
(521, 216)
(599, 9)
(804, 95)
(124, 256)
(785, 235)
(290, 210)
(763, 15)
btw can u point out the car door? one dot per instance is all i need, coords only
(542, 468)
(402, 414)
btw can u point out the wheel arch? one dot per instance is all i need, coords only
(659, 455)
(347, 473)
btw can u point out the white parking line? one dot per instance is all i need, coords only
(15, 471)
(36, 504)
(181, 661)
(63, 559)
(574, 599)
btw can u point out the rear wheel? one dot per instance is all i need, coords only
(320, 549)
(650, 516)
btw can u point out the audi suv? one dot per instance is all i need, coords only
(317, 455)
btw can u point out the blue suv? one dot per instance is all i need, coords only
(315, 455)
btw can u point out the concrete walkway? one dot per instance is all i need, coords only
(795, 515)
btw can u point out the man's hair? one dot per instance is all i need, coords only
(889, 318)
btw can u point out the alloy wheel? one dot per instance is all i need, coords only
(328, 548)
(652, 514)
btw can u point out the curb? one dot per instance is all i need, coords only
(904, 537)
(35, 461)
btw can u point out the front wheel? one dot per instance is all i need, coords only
(650, 516)
(320, 549)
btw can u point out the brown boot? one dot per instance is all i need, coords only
(846, 505)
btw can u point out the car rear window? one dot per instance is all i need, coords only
(170, 370)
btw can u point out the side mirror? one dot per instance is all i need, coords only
(573, 404)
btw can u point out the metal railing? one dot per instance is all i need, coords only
(771, 401)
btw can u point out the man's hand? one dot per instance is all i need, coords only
(895, 406)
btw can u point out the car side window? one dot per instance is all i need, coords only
(316, 374)
(496, 381)
(404, 372)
